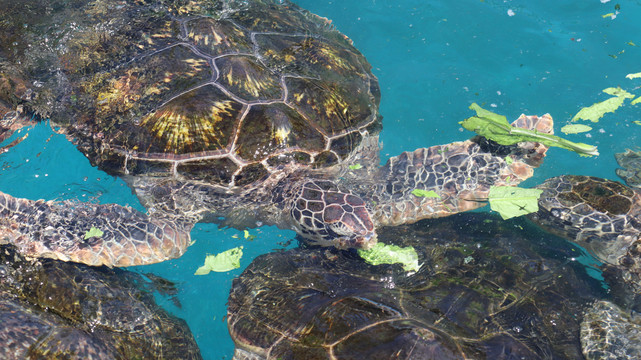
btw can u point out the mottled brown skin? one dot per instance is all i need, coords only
(231, 110)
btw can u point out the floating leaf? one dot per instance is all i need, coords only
(608, 15)
(391, 254)
(425, 193)
(636, 101)
(617, 91)
(495, 127)
(637, 122)
(575, 129)
(633, 76)
(355, 167)
(224, 261)
(511, 201)
(596, 111)
(93, 232)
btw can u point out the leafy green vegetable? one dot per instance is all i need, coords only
(391, 254)
(355, 167)
(617, 91)
(425, 193)
(93, 232)
(511, 201)
(575, 129)
(224, 261)
(633, 76)
(596, 111)
(638, 122)
(508, 160)
(495, 127)
(636, 101)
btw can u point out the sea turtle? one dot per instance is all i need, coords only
(62, 310)
(487, 289)
(238, 112)
(630, 161)
(604, 217)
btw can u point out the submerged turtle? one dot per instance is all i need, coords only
(630, 161)
(58, 310)
(604, 217)
(240, 112)
(484, 291)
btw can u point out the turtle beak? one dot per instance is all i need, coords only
(365, 242)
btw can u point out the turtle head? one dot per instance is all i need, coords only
(328, 217)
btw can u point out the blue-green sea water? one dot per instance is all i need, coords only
(433, 59)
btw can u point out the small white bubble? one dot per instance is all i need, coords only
(510, 12)
(493, 105)
(498, 92)
(37, 176)
(602, 131)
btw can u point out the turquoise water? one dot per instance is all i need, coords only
(432, 59)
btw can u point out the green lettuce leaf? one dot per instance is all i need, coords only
(355, 167)
(93, 232)
(495, 127)
(391, 254)
(633, 76)
(511, 201)
(575, 129)
(596, 111)
(224, 261)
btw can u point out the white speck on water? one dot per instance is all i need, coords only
(36, 175)
(510, 12)
(498, 92)
(493, 105)
(588, 135)
(605, 1)
(602, 131)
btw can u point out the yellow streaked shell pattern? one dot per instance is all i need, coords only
(222, 92)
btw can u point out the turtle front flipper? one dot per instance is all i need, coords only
(446, 179)
(93, 234)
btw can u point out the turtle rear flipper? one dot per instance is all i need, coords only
(93, 234)
(446, 179)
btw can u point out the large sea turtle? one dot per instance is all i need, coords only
(487, 289)
(604, 217)
(51, 309)
(240, 112)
